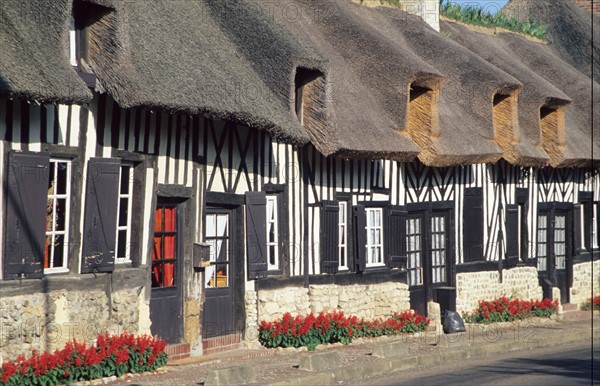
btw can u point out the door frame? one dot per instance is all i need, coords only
(551, 209)
(236, 204)
(427, 210)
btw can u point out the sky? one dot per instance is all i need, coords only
(491, 6)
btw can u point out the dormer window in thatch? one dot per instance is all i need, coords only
(552, 125)
(85, 29)
(504, 112)
(310, 96)
(422, 117)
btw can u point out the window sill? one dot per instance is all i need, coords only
(52, 271)
(376, 265)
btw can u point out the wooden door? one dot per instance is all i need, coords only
(554, 249)
(166, 293)
(427, 247)
(218, 316)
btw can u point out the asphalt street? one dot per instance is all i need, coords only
(556, 366)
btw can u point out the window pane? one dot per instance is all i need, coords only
(222, 225)
(59, 250)
(61, 210)
(169, 274)
(50, 215)
(157, 250)
(169, 247)
(158, 227)
(170, 219)
(123, 211)
(156, 275)
(125, 179)
(221, 273)
(122, 244)
(272, 255)
(61, 184)
(48, 251)
(211, 225)
(51, 179)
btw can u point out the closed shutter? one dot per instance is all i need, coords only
(512, 235)
(26, 199)
(256, 234)
(395, 237)
(360, 239)
(100, 216)
(577, 231)
(330, 236)
(473, 225)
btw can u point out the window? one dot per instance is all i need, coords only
(272, 233)
(123, 245)
(57, 216)
(595, 226)
(414, 251)
(438, 249)
(374, 237)
(542, 234)
(217, 235)
(560, 241)
(343, 236)
(164, 252)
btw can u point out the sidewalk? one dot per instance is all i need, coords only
(368, 357)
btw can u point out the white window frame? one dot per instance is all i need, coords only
(370, 245)
(273, 200)
(594, 225)
(127, 227)
(55, 197)
(343, 236)
(72, 44)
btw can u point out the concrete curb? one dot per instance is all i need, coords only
(449, 355)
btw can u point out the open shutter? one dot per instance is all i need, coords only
(360, 229)
(512, 235)
(329, 236)
(256, 234)
(26, 199)
(577, 230)
(473, 225)
(100, 216)
(395, 237)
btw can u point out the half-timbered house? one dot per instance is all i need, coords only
(189, 169)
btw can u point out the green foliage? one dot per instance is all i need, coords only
(591, 304)
(471, 14)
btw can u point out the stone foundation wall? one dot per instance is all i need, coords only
(365, 301)
(519, 282)
(31, 318)
(584, 284)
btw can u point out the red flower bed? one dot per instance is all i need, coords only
(505, 310)
(591, 304)
(311, 330)
(111, 355)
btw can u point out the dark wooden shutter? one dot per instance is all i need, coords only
(329, 236)
(512, 235)
(26, 199)
(473, 225)
(360, 239)
(577, 242)
(395, 237)
(100, 216)
(256, 234)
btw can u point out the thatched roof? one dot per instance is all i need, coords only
(239, 60)
(34, 61)
(548, 81)
(570, 30)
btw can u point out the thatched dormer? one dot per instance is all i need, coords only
(552, 127)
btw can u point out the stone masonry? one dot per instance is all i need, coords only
(47, 321)
(586, 282)
(365, 301)
(519, 282)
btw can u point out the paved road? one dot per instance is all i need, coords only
(555, 366)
